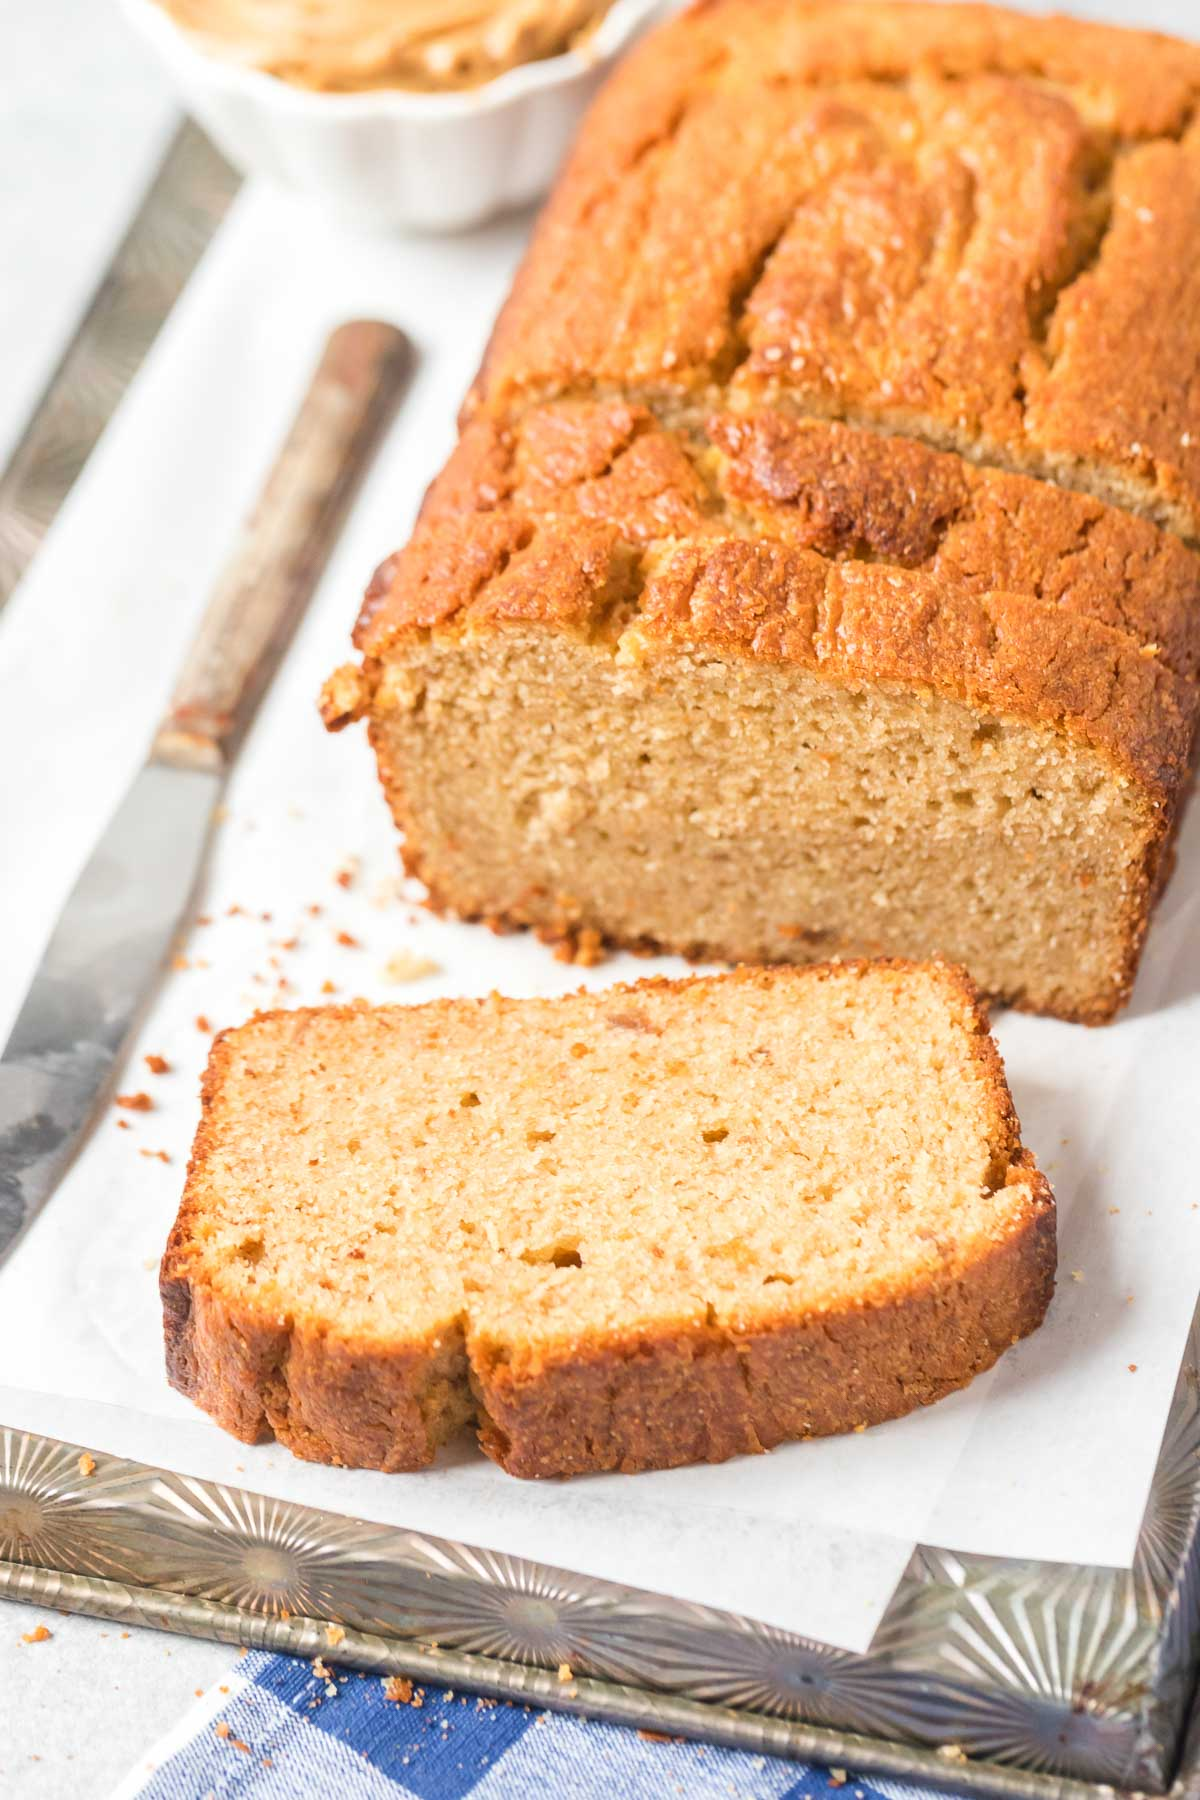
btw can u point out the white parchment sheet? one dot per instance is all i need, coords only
(1050, 1455)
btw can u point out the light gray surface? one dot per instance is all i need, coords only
(82, 120)
(84, 116)
(80, 1709)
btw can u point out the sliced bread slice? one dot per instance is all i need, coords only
(630, 1229)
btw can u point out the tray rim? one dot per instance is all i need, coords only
(619, 1704)
(1059, 1680)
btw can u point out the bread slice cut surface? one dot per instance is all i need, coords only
(631, 1229)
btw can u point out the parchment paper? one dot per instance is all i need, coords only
(1049, 1456)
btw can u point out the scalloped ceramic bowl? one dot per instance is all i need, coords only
(389, 158)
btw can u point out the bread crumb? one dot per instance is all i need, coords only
(347, 939)
(124, 1125)
(155, 1155)
(565, 1672)
(221, 1728)
(314, 911)
(585, 948)
(1076, 1274)
(180, 962)
(405, 966)
(328, 987)
(952, 1753)
(321, 1670)
(39, 1635)
(654, 1737)
(87, 1464)
(334, 1635)
(158, 1065)
(202, 1023)
(1133, 1368)
(346, 874)
(398, 1688)
(136, 1102)
(838, 1777)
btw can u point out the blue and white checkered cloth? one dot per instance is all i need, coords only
(274, 1730)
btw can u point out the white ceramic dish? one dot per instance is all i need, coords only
(389, 158)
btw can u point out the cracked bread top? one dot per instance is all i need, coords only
(949, 221)
(800, 541)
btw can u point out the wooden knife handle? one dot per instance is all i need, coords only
(281, 550)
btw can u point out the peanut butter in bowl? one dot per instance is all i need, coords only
(347, 46)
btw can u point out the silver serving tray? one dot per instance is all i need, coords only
(1022, 1678)
(986, 1674)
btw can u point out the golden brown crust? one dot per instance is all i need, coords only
(888, 212)
(542, 506)
(708, 1394)
(632, 1401)
(990, 588)
(1002, 653)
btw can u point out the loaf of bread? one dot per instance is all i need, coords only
(649, 1226)
(815, 574)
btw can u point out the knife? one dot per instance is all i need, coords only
(127, 907)
(188, 197)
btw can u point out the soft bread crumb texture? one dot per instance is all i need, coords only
(749, 814)
(654, 1225)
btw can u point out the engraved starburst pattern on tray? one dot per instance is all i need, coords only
(1063, 1666)
(66, 1510)
(1059, 1668)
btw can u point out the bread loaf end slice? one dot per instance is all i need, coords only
(653, 1225)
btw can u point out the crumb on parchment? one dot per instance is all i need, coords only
(405, 965)
(139, 1102)
(40, 1634)
(158, 1065)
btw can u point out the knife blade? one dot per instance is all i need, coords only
(188, 197)
(127, 907)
